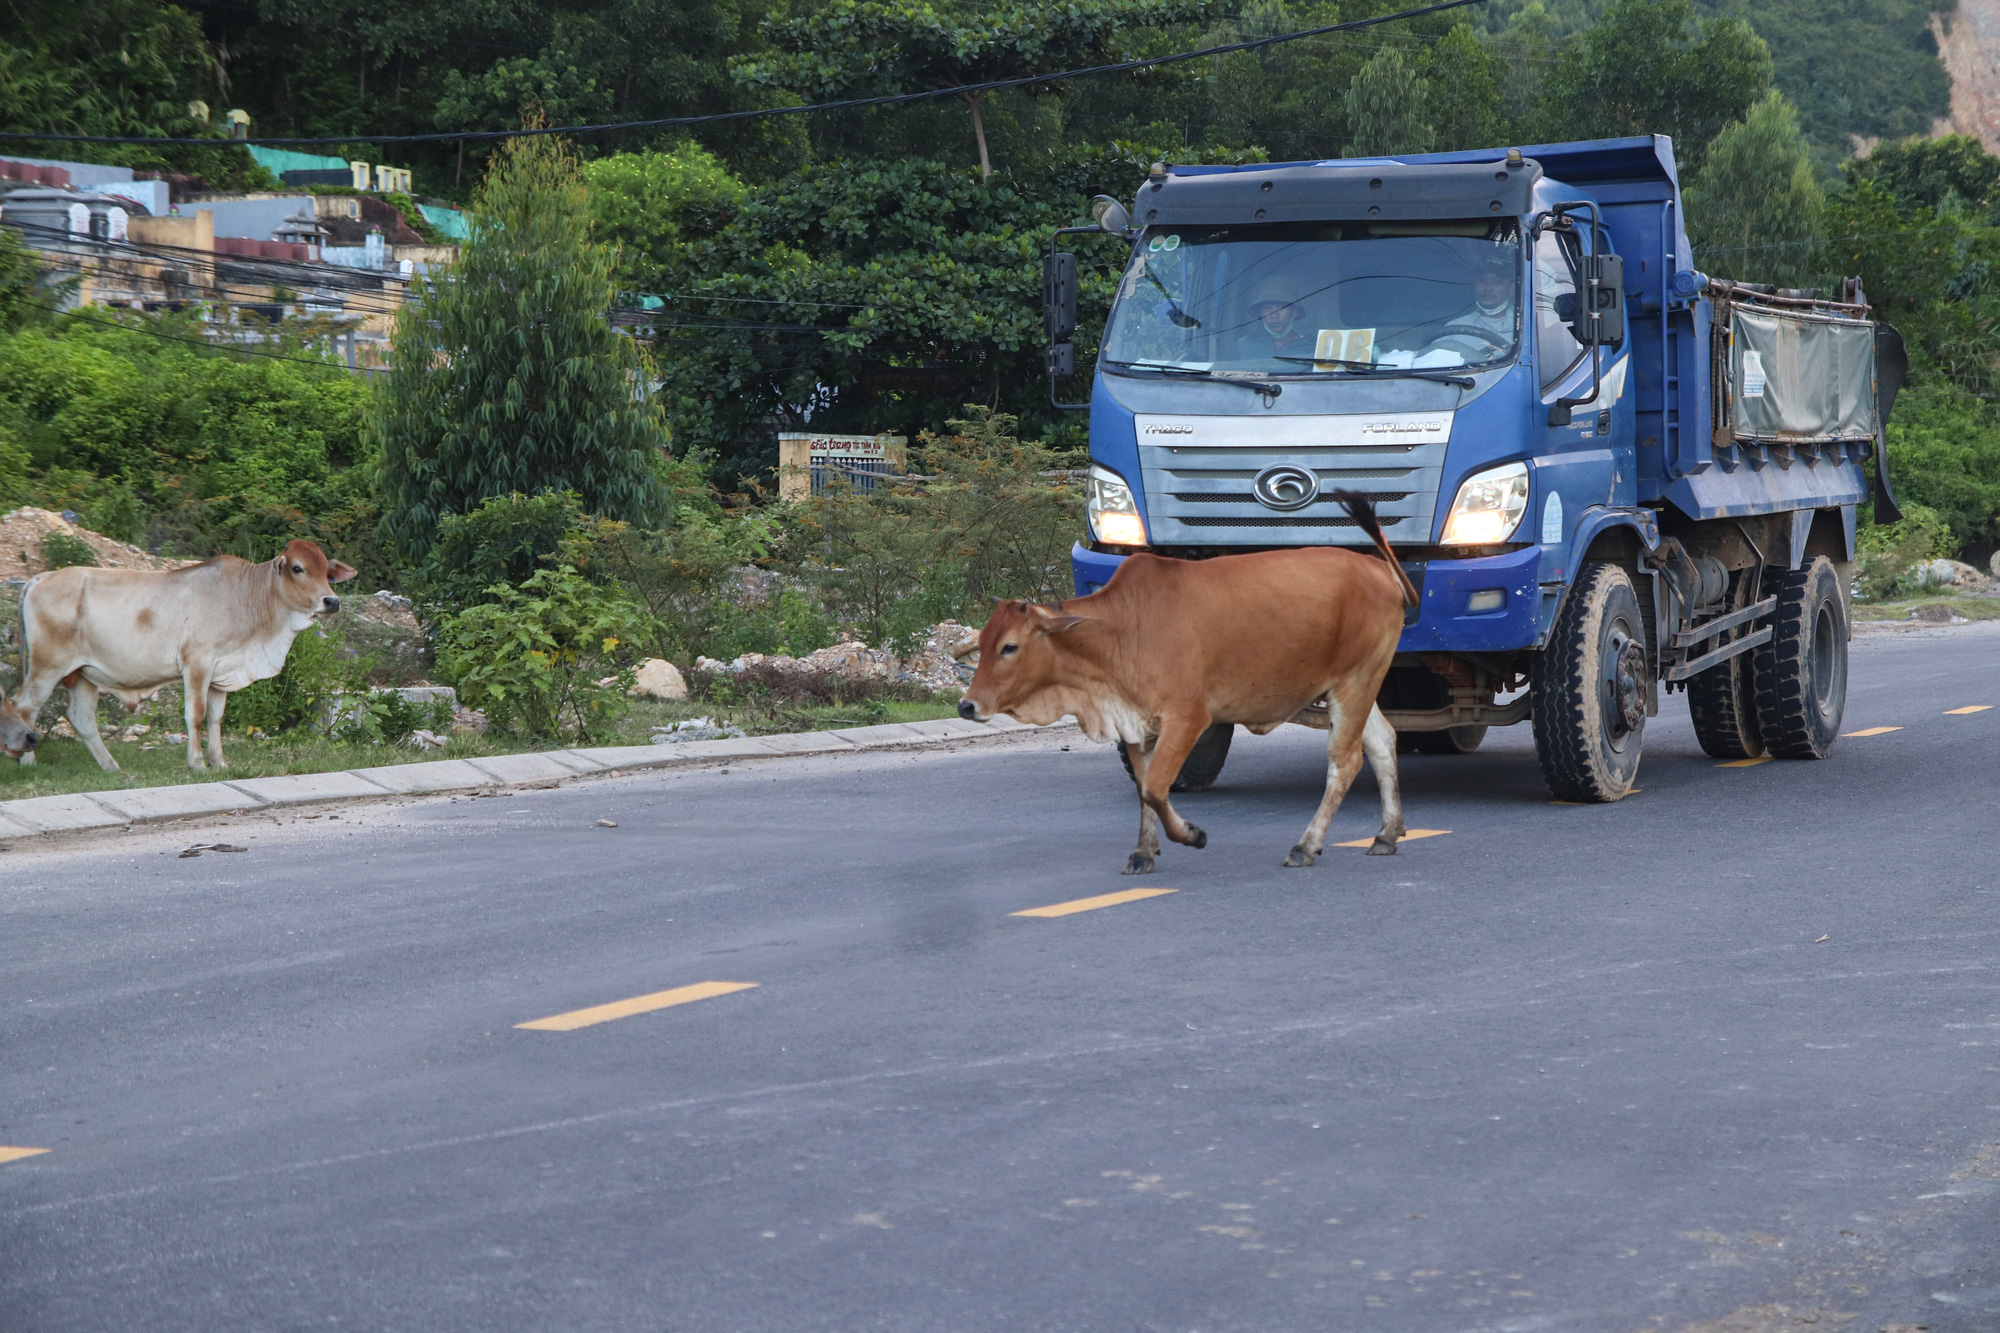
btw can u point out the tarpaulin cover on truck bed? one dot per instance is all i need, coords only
(1797, 376)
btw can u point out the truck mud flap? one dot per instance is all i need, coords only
(1892, 363)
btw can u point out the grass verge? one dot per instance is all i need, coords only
(64, 765)
(1972, 608)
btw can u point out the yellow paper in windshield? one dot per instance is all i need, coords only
(1344, 345)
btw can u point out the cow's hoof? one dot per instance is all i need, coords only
(1138, 863)
(1382, 847)
(1196, 838)
(1300, 857)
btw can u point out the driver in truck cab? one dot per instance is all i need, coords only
(1279, 330)
(1486, 327)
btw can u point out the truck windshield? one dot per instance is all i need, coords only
(1321, 298)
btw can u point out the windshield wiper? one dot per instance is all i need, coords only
(1180, 317)
(1261, 386)
(1387, 372)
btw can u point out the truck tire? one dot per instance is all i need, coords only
(1204, 762)
(1801, 674)
(1452, 740)
(1589, 690)
(1723, 699)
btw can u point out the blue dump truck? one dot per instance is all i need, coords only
(1609, 475)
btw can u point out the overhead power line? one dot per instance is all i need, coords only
(850, 104)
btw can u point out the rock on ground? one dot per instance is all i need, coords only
(1955, 575)
(658, 678)
(932, 667)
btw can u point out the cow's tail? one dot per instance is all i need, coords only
(1362, 510)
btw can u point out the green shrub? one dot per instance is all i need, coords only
(126, 419)
(60, 550)
(316, 672)
(386, 718)
(1885, 552)
(503, 541)
(533, 657)
(985, 515)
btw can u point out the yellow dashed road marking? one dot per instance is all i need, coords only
(1747, 763)
(1409, 835)
(1870, 731)
(16, 1154)
(1960, 712)
(1092, 904)
(638, 1004)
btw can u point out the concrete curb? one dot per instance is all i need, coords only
(148, 805)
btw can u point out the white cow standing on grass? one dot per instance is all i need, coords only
(215, 627)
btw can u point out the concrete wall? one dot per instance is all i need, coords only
(255, 219)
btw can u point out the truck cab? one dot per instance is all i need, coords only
(1511, 353)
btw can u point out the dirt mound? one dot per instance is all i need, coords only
(22, 530)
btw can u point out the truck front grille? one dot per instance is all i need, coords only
(1202, 497)
(1287, 521)
(1199, 494)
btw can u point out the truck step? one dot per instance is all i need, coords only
(1708, 629)
(1722, 654)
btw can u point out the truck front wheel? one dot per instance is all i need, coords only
(1204, 762)
(1801, 674)
(1589, 689)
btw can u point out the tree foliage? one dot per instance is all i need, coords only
(507, 374)
(1386, 108)
(152, 436)
(1927, 172)
(1655, 67)
(118, 67)
(854, 48)
(1754, 210)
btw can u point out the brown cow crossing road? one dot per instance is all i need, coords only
(1170, 648)
(1568, 1068)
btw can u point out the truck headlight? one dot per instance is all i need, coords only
(1488, 506)
(1113, 513)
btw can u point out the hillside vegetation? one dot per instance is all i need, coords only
(873, 271)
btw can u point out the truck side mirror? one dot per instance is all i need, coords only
(1059, 296)
(1059, 312)
(1600, 318)
(1109, 215)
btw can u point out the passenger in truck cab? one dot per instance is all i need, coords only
(1484, 329)
(1280, 328)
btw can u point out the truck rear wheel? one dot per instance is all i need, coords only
(1801, 674)
(1723, 699)
(1589, 689)
(1204, 762)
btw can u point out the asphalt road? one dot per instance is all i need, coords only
(1726, 1048)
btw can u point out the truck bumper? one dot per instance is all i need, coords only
(1450, 590)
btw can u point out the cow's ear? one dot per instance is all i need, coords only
(340, 572)
(1057, 624)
